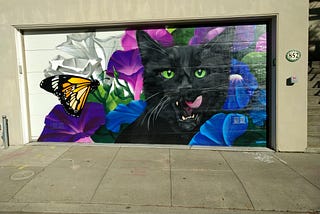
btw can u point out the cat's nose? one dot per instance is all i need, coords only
(185, 84)
(187, 94)
(185, 91)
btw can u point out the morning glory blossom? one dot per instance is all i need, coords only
(161, 35)
(129, 67)
(124, 114)
(241, 87)
(61, 127)
(221, 130)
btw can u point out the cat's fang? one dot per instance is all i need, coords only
(177, 103)
(193, 116)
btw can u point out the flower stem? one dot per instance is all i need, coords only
(128, 90)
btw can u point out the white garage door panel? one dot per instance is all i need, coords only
(38, 59)
(43, 41)
(40, 48)
(34, 80)
(40, 105)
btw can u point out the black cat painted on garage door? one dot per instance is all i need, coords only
(183, 86)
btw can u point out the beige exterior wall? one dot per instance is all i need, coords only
(292, 33)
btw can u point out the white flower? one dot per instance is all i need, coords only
(73, 66)
(90, 56)
(80, 45)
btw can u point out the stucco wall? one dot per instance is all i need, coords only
(291, 30)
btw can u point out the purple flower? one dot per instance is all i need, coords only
(161, 35)
(61, 127)
(203, 35)
(242, 86)
(261, 45)
(129, 67)
(243, 36)
(221, 130)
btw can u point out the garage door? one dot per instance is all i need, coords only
(192, 85)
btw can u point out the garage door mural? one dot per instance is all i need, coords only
(192, 86)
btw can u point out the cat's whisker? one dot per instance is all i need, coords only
(150, 112)
(145, 116)
(153, 95)
(164, 104)
(217, 88)
(155, 110)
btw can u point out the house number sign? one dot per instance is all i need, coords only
(293, 55)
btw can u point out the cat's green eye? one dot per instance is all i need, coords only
(200, 73)
(168, 74)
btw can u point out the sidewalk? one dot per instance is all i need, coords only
(70, 178)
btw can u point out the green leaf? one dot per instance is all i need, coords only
(115, 98)
(103, 135)
(260, 29)
(257, 63)
(115, 74)
(94, 97)
(182, 36)
(119, 98)
(142, 96)
(171, 30)
(99, 96)
(123, 127)
(118, 91)
(111, 103)
(101, 76)
(255, 136)
(120, 94)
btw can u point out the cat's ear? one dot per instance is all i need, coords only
(222, 41)
(219, 48)
(148, 47)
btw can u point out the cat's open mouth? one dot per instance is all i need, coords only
(188, 118)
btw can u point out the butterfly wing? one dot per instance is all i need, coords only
(71, 90)
(74, 94)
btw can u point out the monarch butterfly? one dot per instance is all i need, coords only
(71, 90)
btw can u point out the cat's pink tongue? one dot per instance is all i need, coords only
(196, 103)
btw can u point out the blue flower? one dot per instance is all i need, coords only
(259, 114)
(124, 114)
(221, 130)
(241, 87)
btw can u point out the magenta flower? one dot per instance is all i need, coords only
(261, 45)
(161, 35)
(61, 127)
